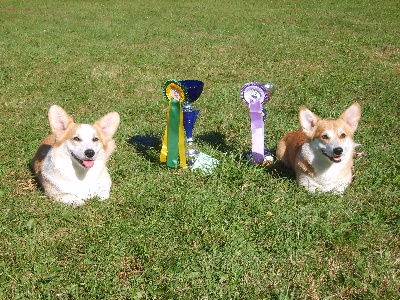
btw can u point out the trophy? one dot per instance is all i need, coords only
(181, 117)
(255, 95)
(193, 89)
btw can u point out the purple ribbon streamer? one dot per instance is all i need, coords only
(257, 132)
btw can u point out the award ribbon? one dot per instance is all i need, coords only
(255, 95)
(174, 138)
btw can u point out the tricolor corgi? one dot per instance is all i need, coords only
(321, 152)
(70, 164)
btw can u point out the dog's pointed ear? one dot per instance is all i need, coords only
(59, 120)
(108, 124)
(308, 120)
(352, 116)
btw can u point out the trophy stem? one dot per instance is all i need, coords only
(189, 118)
(191, 152)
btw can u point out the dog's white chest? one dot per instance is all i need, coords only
(326, 175)
(74, 183)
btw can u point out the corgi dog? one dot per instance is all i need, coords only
(70, 165)
(321, 152)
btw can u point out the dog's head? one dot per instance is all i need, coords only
(85, 143)
(331, 138)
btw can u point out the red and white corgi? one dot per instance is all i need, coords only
(321, 152)
(70, 164)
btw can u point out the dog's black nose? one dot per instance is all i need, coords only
(89, 153)
(338, 150)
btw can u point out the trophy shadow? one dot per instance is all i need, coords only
(216, 140)
(148, 145)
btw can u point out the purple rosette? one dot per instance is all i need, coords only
(254, 92)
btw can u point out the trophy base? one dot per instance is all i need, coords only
(191, 158)
(205, 163)
(268, 159)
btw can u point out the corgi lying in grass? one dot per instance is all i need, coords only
(70, 164)
(321, 152)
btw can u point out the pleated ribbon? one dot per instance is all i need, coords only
(255, 95)
(257, 132)
(173, 147)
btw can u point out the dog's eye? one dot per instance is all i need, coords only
(325, 137)
(77, 139)
(343, 135)
(95, 139)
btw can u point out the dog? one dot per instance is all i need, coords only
(321, 152)
(70, 164)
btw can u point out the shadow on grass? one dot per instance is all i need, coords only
(34, 178)
(37, 160)
(148, 145)
(216, 140)
(279, 170)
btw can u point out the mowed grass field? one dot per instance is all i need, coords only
(242, 232)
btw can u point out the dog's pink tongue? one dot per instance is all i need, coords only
(88, 163)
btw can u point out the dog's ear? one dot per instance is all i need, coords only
(352, 116)
(108, 125)
(59, 120)
(308, 120)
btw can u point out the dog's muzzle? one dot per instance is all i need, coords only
(86, 163)
(337, 155)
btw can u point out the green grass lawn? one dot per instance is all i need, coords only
(243, 232)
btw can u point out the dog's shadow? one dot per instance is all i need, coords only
(278, 170)
(40, 155)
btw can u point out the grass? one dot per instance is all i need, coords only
(242, 232)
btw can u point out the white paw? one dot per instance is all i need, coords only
(72, 200)
(104, 195)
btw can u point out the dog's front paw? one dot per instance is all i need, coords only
(104, 195)
(72, 200)
(339, 191)
(312, 189)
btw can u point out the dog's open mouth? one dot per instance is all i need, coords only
(85, 163)
(335, 158)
